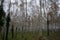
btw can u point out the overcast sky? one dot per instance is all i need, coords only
(13, 8)
(6, 3)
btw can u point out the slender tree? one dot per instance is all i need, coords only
(12, 30)
(47, 26)
(2, 19)
(8, 19)
(2, 15)
(7, 25)
(40, 16)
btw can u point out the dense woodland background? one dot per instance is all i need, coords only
(22, 16)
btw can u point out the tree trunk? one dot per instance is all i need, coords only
(7, 30)
(7, 25)
(12, 31)
(47, 28)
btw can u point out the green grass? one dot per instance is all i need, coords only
(24, 36)
(54, 36)
(33, 36)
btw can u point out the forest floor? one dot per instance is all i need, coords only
(33, 36)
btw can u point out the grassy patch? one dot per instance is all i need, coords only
(33, 36)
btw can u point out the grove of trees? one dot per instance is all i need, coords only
(33, 15)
